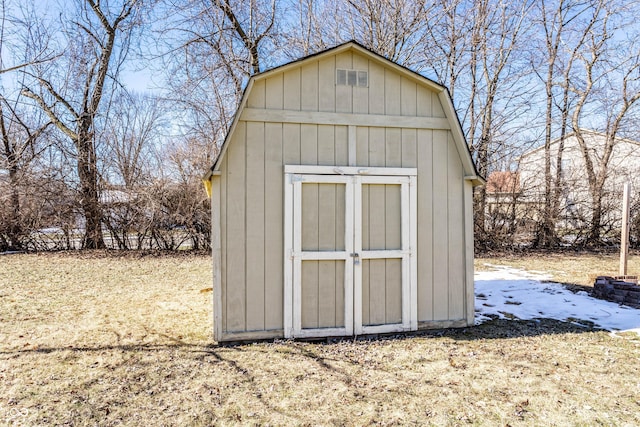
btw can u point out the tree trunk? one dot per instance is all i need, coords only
(593, 238)
(89, 200)
(15, 228)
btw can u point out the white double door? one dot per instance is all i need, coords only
(350, 251)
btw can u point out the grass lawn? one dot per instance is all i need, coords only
(103, 339)
(571, 267)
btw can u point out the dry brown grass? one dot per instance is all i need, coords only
(577, 268)
(126, 340)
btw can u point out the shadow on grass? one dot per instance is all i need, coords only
(493, 329)
(505, 329)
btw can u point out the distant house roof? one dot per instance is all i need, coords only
(573, 134)
(503, 182)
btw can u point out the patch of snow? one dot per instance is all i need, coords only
(510, 293)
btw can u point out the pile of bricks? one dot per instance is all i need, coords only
(620, 291)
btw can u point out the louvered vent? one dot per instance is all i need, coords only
(352, 78)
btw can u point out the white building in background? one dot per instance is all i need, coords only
(575, 203)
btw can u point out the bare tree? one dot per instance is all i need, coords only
(210, 49)
(396, 29)
(131, 138)
(21, 130)
(20, 146)
(97, 36)
(564, 36)
(609, 82)
(446, 52)
(495, 38)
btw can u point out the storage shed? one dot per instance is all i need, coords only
(342, 203)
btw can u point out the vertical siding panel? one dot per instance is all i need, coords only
(326, 145)
(424, 102)
(274, 227)
(365, 246)
(340, 213)
(393, 218)
(409, 148)
(425, 224)
(436, 106)
(393, 154)
(292, 93)
(408, 97)
(224, 168)
(308, 144)
(309, 87)
(309, 294)
(376, 88)
(326, 294)
(339, 280)
(255, 219)
(340, 245)
(366, 214)
(377, 291)
(360, 94)
(327, 84)
(291, 144)
(310, 269)
(276, 98)
(377, 147)
(440, 226)
(468, 240)
(310, 221)
(365, 292)
(274, 93)
(235, 284)
(456, 236)
(391, 93)
(362, 146)
(326, 241)
(257, 95)
(341, 145)
(326, 217)
(377, 275)
(393, 267)
(344, 93)
(393, 301)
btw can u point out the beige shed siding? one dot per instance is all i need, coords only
(274, 226)
(252, 193)
(440, 223)
(388, 93)
(426, 225)
(455, 227)
(234, 282)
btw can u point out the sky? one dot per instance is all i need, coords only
(510, 293)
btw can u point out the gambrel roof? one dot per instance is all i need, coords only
(442, 92)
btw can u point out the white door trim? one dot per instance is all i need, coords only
(353, 178)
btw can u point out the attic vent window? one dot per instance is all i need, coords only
(352, 78)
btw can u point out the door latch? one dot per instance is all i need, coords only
(356, 258)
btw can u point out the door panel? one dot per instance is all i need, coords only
(381, 292)
(393, 283)
(349, 264)
(382, 256)
(381, 217)
(323, 217)
(322, 294)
